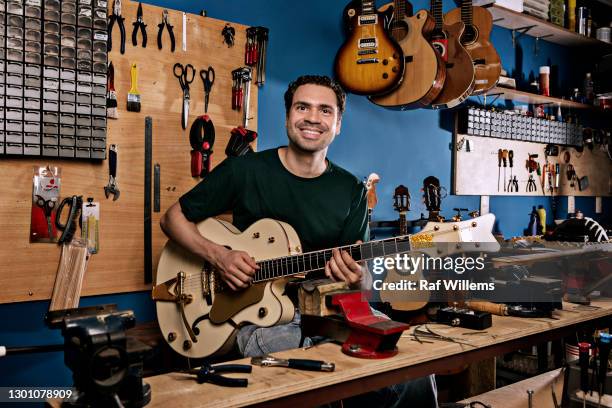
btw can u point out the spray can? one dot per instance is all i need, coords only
(542, 215)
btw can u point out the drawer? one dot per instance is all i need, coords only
(98, 153)
(98, 89)
(14, 67)
(32, 47)
(98, 110)
(84, 109)
(98, 121)
(65, 151)
(14, 102)
(31, 150)
(33, 11)
(67, 96)
(67, 52)
(33, 81)
(66, 141)
(50, 139)
(83, 98)
(51, 15)
(67, 107)
(83, 142)
(33, 23)
(33, 35)
(50, 151)
(2, 151)
(83, 131)
(82, 152)
(98, 132)
(14, 79)
(67, 118)
(67, 30)
(14, 148)
(99, 46)
(14, 7)
(51, 94)
(100, 35)
(66, 130)
(31, 103)
(82, 54)
(13, 20)
(51, 128)
(68, 18)
(84, 65)
(68, 63)
(31, 127)
(84, 87)
(14, 33)
(68, 74)
(66, 85)
(68, 41)
(14, 90)
(13, 137)
(84, 44)
(50, 105)
(84, 77)
(49, 83)
(13, 114)
(99, 67)
(14, 55)
(50, 117)
(31, 115)
(98, 142)
(51, 60)
(83, 120)
(32, 57)
(31, 138)
(85, 32)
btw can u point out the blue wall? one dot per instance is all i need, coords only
(402, 147)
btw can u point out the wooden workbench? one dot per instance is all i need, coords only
(285, 387)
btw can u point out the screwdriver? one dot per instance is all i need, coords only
(499, 162)
(511, 162)
(583, 359)
(604, 355)
(557, 173)
(505, 159)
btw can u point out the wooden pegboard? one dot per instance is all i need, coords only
(476, 172)
(27, 271)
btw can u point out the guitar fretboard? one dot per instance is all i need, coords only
(436, 10)
(312, 261)
(367, 7)
(466, 12)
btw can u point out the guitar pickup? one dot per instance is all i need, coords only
(366, 52)
(367, 61)
(368, 19)
(368, 43)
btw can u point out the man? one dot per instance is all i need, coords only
(297, 184)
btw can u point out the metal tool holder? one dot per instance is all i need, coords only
(53, 63)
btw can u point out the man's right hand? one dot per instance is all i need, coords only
(236, 268)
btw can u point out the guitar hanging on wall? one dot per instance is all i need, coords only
(350, 12)
(371, 197)
(459, 81)
(425, 71)
(369, 62)
(478, 25)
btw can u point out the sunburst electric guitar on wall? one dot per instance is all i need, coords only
(459, 81)
(200, 316)
(478, 24)
(425, 71)
(369, 62)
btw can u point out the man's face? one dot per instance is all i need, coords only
(313, 120)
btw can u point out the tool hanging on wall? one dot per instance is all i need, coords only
(111, 187)
(255, 51)
(74, 203)
(90, 222)
(239, 143)
(241, 92)
(169, 27)
(208, 78)
(202, 139)
(499, 164)
(111, 94)
(185, 75)
(139, 25)
(571, 175)
(184, 32)
(505, 161)
(148, 227)
(45, 194)
(156, 188)
(116, 17)
(228, 34)
(133, 98)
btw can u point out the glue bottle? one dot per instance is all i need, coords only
(542, 215)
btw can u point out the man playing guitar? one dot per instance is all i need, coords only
(296, 184)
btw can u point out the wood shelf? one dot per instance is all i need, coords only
(545, 30)
(526, 97)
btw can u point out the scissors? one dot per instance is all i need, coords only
(208, 77)
(47, 207)
(183, 73)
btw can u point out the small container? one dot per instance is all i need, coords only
(582, 17)
(545, 80)
(603, 34)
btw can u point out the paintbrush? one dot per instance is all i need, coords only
(133, 99)
(111, 94)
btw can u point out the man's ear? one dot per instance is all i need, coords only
(338, 125)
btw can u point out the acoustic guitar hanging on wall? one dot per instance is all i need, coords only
(425, 71)
(369, 62)
(478, 24)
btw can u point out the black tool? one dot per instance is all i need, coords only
(584, 348)
(505, 161)
(185, 75)
(148, 228)
(499, 163)
(169, 27)
(511, 161)
(139, 24)
(75, 204)
(469, 319)
(208, 77)
(604, 355)
(240, 142)
(296, 363)
(116, 16)
(228, 34)
(156, 188)
(531, 184)
(210, 374)
(47, 207)
(202, 140)
(513, 186)
(111, 187)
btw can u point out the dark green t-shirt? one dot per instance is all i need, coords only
(326, 211)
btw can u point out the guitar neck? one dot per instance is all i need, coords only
(403, 225)
(436, 11)
(466, 12)
(367, 7)
(311, 261)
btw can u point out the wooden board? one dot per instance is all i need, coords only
(475, 172)
(266, 384)
(27, 271)
(509, 94)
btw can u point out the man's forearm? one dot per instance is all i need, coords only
(185, 233)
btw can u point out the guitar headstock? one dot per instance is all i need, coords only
(431, 193)
(370, 184)
(401, 199)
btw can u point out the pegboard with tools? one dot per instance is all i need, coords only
(118, 266)
(488, 166)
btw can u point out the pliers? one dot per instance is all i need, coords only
(209, 373)
(513, 184)
(116, 16)
(161, 25)
(139, 24)
(531, 185)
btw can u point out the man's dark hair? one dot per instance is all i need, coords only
(315, 80)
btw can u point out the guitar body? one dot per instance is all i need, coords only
(459, 81)
(216, 324)
(369, 62)
(487, 65)
(425, 72)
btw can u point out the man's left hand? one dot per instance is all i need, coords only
(342, 267)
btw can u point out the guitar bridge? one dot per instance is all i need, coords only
(367, 61)
(366, 52)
